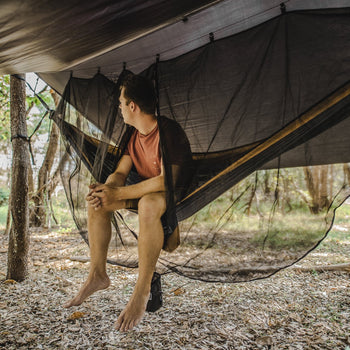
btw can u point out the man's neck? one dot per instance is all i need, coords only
(146, 124)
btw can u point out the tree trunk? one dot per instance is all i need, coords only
(19, 235)
(346, 168)
(286, 191)
(39, 218)
(8, 217)
(324, 201)
(42, 196)
(55, 178)
(317, 183)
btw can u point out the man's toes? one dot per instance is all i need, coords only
(120, 320)
(72, 302)
(126, 325)
(133, 324)
(68, 304)
(129, 325)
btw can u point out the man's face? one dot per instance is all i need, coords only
(125, 108)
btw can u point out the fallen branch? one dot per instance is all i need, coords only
(263, 270)
(336, 267)
(82, 259)
(260, 269)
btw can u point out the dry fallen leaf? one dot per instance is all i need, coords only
(266, 340)
(76, 315)
(10, 281)
(179, 291)
(295, 317)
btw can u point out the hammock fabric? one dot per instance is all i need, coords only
(274, 96)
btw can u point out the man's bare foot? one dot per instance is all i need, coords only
(92, 285)
(133, 312)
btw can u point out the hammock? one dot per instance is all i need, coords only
(272, 97)
(216, 172)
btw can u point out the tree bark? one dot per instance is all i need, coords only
(8, 218)
(317, 183)
(42, 196)
(346, 168)
(324, 199)
(19, 235)
(39, 218)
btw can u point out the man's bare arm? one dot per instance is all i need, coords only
(154, 184)
(114, 180)
(119, 176)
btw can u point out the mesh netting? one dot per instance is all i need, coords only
(273, 97)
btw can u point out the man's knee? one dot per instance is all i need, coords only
(152, 206)
(98, 214)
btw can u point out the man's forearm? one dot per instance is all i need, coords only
(154, 184)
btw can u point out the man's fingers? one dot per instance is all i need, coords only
(92, 186)
(91, 198)
(93, 189)
(99, 187)
(99, 194)
(94, 201)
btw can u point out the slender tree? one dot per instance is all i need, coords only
(317, 183)
(346, 168)
(40, 210)
(45, 187)
(19, 235)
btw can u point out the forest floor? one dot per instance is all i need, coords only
(291, 310)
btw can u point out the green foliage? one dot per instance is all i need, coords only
(5, 108)
(3, 215)
(283, 236)
(35, 111)
(4, 196)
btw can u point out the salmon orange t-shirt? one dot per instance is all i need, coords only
(145, 153)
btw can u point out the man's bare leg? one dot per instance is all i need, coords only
(99, 228)
(151, 208)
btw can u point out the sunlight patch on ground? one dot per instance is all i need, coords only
(340, 228)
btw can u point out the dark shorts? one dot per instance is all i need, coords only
(169, 223)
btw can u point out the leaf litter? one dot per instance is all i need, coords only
(291, 310)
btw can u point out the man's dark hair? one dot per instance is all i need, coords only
(141, 91)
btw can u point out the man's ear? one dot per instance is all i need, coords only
(132, 106)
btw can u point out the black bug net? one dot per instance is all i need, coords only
(254, 106)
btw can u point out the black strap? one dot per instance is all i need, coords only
(18, 136)
(156, 78)
(25, 138)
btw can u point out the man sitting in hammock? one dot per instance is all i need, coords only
(143, 153)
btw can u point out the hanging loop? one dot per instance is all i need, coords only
(211, 37)
(156, 78)
(283, 8)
